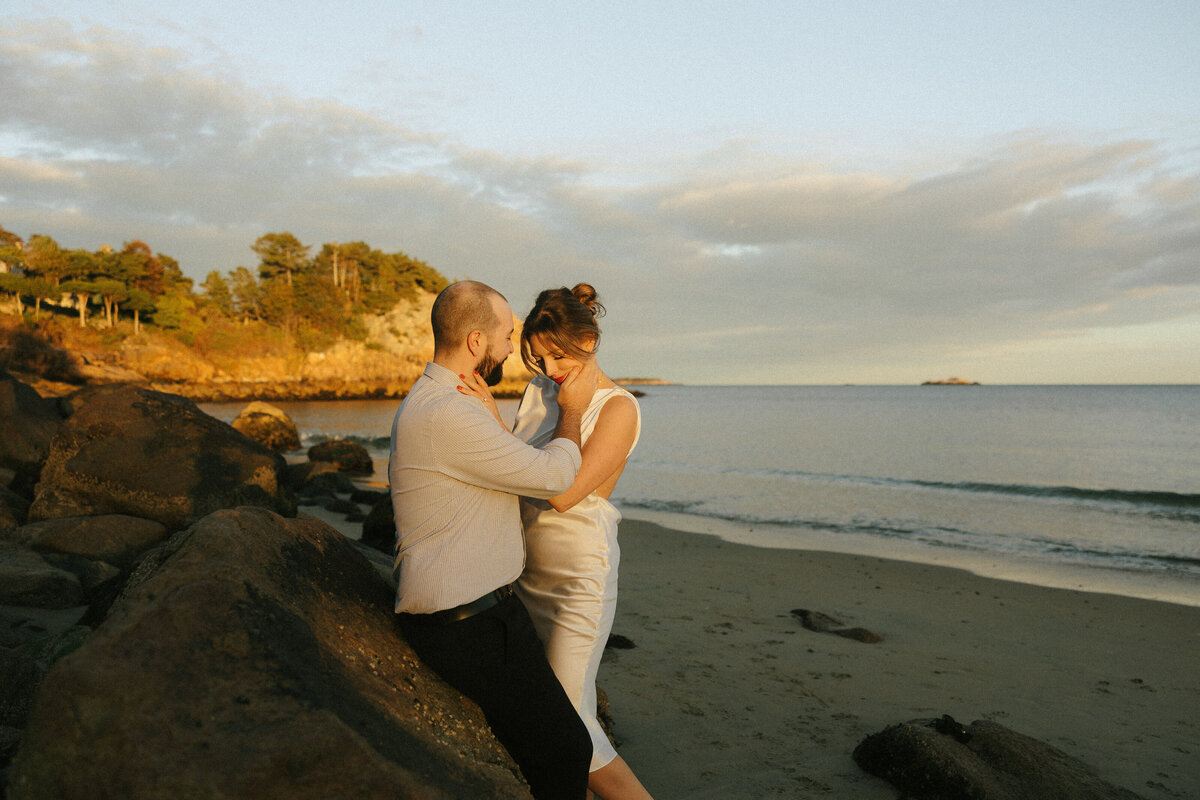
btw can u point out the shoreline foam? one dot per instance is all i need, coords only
(1144, 585)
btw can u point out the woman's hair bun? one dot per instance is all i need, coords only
(586, 294)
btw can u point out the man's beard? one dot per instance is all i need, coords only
(491, 370)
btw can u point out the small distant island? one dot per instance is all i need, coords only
(951, 382)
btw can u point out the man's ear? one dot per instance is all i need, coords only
(475, 343)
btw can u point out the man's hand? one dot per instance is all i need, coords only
(576, 391)
(574, 394)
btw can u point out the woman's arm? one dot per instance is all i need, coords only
(605, 451)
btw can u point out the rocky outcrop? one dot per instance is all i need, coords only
(147, 454)
(269, 426)
(943, 760)
(260, 658)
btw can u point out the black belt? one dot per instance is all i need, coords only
(459, 613)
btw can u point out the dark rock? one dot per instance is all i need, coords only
(29, 424)
(92, 575)
(48, 650)
(340, 506)
(379, 528)
(299, 474)
(21, 626)
(326, 483)
(101, 582)
(823, 623)
(260, 659)
(367, 497)
(269, 426)
(26, 579)
(349, 456)
(19, 678)
(14, 510)
(114, 538)
(147, 454)
(982, 760)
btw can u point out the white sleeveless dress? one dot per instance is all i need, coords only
(570, 580)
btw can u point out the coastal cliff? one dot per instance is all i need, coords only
(225, 361)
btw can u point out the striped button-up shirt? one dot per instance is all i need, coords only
(455, 476)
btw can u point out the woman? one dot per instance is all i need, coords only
(570, 580)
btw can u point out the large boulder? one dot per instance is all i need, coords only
(128, 450)
(254, 656)
(943, 760)
(29, 424)
(269, 426)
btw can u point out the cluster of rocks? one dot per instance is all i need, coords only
(169, 626)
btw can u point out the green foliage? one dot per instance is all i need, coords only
(218, 294)
(309, 302)
(280, 255)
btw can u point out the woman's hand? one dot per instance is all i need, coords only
(475, 386)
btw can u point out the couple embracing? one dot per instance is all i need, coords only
(506, 543)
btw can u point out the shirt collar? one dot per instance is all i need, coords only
(440, 375)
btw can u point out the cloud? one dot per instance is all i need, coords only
(754, 268)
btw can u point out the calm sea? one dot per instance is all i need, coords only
(1092, 487)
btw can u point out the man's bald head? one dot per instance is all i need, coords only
(462, 307)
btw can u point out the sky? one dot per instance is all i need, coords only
(761, 192)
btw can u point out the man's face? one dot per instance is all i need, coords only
(500, 345)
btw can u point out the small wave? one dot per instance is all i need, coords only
(1170, 505)
(943, 537)
(1173, 500)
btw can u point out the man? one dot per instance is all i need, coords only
(455, 476)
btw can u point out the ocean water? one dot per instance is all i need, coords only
(1091, 487)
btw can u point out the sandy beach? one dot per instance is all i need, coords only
(726, 695)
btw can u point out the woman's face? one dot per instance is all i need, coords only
(553, 361)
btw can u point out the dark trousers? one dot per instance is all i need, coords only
(496, 659)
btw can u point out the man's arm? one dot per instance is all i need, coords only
(477, 451)
(574, 395)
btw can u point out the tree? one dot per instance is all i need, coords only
(248, 295)
(40, 289)
(82, 291)
(112, 293)
(173, 278)
(14, 285)
(139, 301)
(45, 259)
(217, 294)
(280, 254)
(12, 252)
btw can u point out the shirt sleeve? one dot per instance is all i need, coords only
(477, 450)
